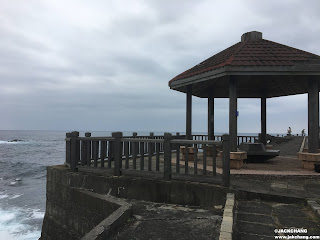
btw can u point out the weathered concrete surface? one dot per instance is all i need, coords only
(142, 188)
(170, 221)
(109, 225)
(298, 187)
(72, 211)
(259, 219)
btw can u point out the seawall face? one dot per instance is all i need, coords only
(72, 212)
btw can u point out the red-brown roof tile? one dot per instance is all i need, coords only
(251, 53)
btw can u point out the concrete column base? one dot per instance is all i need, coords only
(236, 159)
(209, 151)
(190, 153)
(306, 150)
(309, 159)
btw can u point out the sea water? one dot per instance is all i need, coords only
(23, 178)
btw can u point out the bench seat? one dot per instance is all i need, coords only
(256, 152)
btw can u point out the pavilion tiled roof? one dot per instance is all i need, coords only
(251, 53)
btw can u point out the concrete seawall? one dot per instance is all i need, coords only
(77, 203)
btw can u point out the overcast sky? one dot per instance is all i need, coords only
(105, 65)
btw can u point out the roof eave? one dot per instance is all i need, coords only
(313, 69)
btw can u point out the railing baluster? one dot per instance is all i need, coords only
(178, 158)
(204, 159)
(122, 150)
(186, 159)
(88, 146)
(68, 148)
(126, 152)
(95, 149)
(110, 154)
(157, 157)
(83, 152)
(167, 156)
(117, 153)
(150, 156)
(150, 151)
(74, 154)
(135, 151)
(195, 160)
(103, 152)
(141, 155)
(134, 155)
(78, 150)
(214, 160)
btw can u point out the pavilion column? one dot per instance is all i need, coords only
(233, 114)
(313, 116)
(189, 112)
(263, 120)
(210, 116)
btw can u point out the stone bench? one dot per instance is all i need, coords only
(256, 152)
(191, 152)
(236, 159)
(308, 160)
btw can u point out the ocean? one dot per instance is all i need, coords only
(23, 178)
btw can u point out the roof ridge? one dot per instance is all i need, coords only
(229, 61)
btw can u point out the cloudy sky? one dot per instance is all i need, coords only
(105, 65)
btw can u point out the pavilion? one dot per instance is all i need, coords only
(253, 68)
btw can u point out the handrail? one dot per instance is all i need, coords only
(142, 140)
(184, 141)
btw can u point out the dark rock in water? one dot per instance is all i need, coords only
(15, 140)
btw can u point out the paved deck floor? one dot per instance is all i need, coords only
(259, 219)
(169, 221)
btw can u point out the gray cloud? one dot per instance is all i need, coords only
(106, 65)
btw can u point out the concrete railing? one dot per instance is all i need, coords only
(240, 139)
(119, 153)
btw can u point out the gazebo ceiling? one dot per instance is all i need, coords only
(260, 67)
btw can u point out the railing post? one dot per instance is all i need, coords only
(84, 152)
(88, 151)
(68, 148)
(152, 137)
(117, 152)
(226, 160)
(74, 151)
(134, 151)
(150, 152)
(167, 156)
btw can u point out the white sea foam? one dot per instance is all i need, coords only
(36, 213)
(15, 196)
(13, 224)
(9, 142)
(2, 196)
